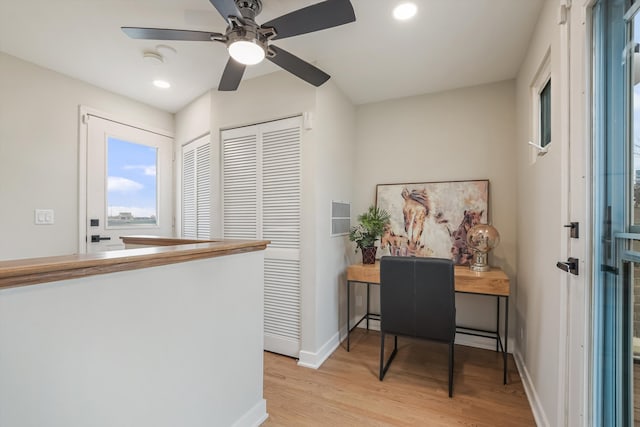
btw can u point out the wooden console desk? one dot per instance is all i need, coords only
(494, 283)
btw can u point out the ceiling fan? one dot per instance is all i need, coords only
(249, 43)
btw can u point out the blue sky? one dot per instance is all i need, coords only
(131, 182)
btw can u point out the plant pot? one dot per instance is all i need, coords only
(369, 255)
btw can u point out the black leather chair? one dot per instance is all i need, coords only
(417, 299)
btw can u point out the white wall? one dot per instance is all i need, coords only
(39, 153)
(456, 135)
(327, 167)
(271, 97)
(334, 151)
(176, 345)
(192, 122)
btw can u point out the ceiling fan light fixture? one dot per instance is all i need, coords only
(405, 11)
(246, 52)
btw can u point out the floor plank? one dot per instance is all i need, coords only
(345, 391)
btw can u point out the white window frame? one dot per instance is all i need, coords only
(542, 77)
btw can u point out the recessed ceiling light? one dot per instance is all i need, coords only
(162, 84)
(405, 11)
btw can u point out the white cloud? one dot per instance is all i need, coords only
(149, 170)
(123, 185)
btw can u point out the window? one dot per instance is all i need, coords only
(545, 115)
(132, 196)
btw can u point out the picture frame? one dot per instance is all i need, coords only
(431, 219)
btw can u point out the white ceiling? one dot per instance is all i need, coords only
(449, 44)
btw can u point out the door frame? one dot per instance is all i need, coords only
(83, 141)
(577, 79)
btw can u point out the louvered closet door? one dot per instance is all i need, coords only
(196, 189)
(276, 216)
(240, 184)
(281, 207)
(189, 203)
(203, 185)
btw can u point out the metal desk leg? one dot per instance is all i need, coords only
(498, 323)
(368, 286)
(348, 314)
(506, 337)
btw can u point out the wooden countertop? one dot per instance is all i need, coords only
(31, 271)
(493, 282)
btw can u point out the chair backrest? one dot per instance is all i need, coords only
(417, 297)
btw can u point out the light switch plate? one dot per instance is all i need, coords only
(44, 216)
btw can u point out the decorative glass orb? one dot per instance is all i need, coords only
(481, 239)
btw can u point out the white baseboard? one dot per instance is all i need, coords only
(478, 342)
(530, 390)
(315, 360)
(254, 416)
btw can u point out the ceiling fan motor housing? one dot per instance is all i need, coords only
(249, 8)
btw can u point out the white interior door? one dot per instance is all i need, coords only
(129, 184)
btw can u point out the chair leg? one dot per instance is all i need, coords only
(451, 369)
(385, 367)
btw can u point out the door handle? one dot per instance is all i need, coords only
(571, 266)
(95, 238)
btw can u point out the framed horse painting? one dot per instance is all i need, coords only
(431, 219)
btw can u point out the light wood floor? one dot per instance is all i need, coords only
(345, 391)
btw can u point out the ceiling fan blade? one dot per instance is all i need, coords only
(297, 66)
(165, 34)
(226, 8)
(231, 76)
(319, 16)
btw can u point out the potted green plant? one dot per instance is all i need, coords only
(370, 229)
